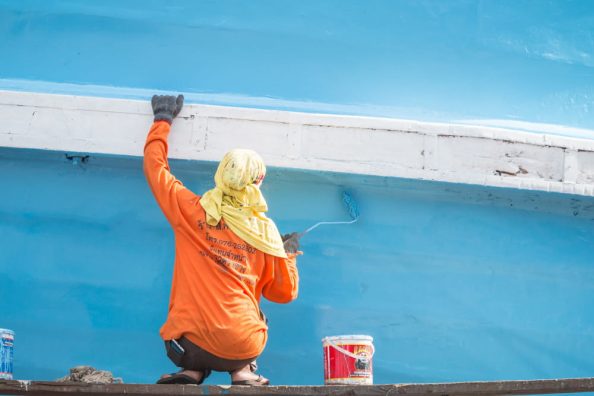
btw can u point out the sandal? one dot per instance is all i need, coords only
(184, 379)
(260, 381)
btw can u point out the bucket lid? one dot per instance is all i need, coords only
(357, 337)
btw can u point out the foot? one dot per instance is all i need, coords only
(245, 376)
(195, 375)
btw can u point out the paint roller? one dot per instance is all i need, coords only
(352, 208)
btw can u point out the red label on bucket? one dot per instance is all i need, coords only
(340, 368)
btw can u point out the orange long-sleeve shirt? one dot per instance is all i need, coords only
(217, 278)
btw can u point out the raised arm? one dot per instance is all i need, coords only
(165, 187)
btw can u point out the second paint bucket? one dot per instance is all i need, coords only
(348, 360)
(6, 353)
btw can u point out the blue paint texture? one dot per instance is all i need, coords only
(527, 60)
(454, 282)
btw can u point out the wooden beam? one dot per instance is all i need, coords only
(494, 388)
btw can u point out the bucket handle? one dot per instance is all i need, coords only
(344, 351)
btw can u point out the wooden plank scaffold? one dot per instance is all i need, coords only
(491, 388)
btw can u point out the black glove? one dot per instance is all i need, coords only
(166, 107)
(291, 242)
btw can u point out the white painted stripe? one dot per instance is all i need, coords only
(361, 145)
(236, 100)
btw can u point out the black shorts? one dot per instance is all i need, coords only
(195, 358)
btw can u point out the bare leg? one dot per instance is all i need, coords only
(246, 374)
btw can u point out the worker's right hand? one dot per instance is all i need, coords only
(291, 242)
(166, 107)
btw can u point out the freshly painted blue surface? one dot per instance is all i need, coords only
(528, 60)
(454, 282)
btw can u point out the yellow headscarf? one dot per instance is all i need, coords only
(237, 199)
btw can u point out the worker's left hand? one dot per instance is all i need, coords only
(291, 242)
(166, 107)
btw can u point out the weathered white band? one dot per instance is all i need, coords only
(361, 145)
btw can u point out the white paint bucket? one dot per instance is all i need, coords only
(348, 360)
(6, 353)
